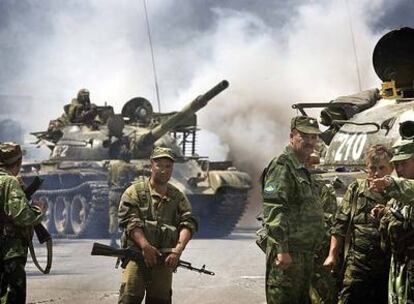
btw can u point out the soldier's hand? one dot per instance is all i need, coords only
(40, 204)
(379, 184)
(378, 211)
(172, 260)
(283, 260)
(150, 254)
(330, 262)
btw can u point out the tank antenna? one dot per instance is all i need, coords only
(152, 56)
(353, 44)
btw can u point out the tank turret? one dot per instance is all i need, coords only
(143, 144)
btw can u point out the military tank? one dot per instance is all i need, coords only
(376, 116)
(75, 185)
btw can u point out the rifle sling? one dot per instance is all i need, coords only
(49, 248)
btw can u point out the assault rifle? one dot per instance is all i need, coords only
(127, 254)
(41, 232)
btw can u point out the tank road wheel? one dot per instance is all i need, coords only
(48, 205)
(79, 211)
(61, 215)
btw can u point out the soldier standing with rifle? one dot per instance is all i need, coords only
(292, 216)
(120, 176)
(366, 264)
(17, 219)
(156, 218)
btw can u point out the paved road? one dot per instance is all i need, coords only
(77, 277)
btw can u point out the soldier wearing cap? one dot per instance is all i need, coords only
(397, 223)
(292, 216)
(156, 218)
(17, 219)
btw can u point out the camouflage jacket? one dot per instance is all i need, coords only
(365, 241)
(292, 212)
(80, 113)
(121, 174)
(397, 224)
(161, 218)
(17, 218)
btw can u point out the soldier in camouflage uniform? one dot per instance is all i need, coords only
(397, 224)
(17, 219)
(81, 110)
(366, 264)
(120, 175)
(156, 218)
(292, 216)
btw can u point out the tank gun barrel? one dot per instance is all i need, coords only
(190, 109)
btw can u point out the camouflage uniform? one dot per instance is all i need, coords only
(323, 284)
(397, 227)
(293, 218)
(17, 218)
(81, 110)
(120, 175)
(366, 265)
(161, 218)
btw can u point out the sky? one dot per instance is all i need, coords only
(273, 53)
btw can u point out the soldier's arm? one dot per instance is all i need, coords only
(128, 212)
(277, 189)
(186, 220)
(401, 189)
(17, 207)
(340, 225)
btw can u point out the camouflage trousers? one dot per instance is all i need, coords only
(134, 286)
(13, 281)
(364, 282)
(289, 286)
(323, 286)
(401, 281)
(114, 199)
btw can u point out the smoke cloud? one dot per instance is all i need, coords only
(274, 53)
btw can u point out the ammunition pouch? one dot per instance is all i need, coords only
(160, 235)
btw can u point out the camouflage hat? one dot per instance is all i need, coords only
(403, 151)
(10, 153)
(162, 152)
(305, 124)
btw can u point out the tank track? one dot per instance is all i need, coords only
(230, 205)
(96, 195)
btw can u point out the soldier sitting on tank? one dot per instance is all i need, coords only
(157, 219)
(120, 175)
(81, 110)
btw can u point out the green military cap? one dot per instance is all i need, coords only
(10, 153)
(305, 124)
(162, 152)
(403, 151)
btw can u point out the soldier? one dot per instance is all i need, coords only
(120, 175)
(366, 265)
(17, 219)
(155, 216)
(81, 110)
(398, 222)
(292, 216)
